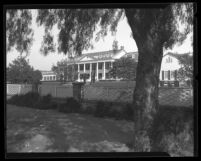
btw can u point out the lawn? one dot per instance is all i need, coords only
(33, 130)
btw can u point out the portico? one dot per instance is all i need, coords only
(99, 68)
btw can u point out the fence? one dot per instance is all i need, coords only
(121, 92)
(167, 96)
(13, 89)
(58, 91)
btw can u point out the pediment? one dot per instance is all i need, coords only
(86, 58)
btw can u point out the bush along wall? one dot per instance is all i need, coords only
(33, 100)
(70, 106)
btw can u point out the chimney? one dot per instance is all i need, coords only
(122, 47)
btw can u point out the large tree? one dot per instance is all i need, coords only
(124, 68)
(153, 29)
(19, 71)
(185, 73)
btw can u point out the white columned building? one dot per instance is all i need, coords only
(97, 63)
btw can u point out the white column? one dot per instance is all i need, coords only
(97, 71)
(78, 69)
(84, 68)
(103, 70)
(90, 71)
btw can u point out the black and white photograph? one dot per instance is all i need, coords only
(115, 79)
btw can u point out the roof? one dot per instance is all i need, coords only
(96, 56)
(176, 55)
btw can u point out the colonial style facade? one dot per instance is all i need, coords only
(98, 64)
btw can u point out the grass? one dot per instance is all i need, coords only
(172, 130)
(59, 132)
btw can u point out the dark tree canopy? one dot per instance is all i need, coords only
(19, 33)
(76, 27)
(19, 71)
(186, 70)
(124, 68)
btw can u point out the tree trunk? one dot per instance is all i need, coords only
(145, 97)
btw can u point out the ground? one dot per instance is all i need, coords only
(32, 130)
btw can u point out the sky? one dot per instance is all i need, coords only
(123, 36)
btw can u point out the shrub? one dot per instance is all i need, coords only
(127, 112)
(45, 102)
(171, 128)
(71, 106)
(103, 109)
(27, 99)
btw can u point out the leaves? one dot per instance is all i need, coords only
(19, 33)
(19, 71)
(124, 68)
(76, 27)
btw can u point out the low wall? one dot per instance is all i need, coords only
(60, 91)
(13, 89)
(119, 92)
(167, 96)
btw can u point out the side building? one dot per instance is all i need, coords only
(48, 76)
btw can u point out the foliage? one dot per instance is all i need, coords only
(19, 33)
(124, 68)
(70, 106)
(19, 71)
(171, 122)
(33, 100)
(45, 102)
(186, 71)
(76, 26)
(68, 73)
(29, 99)
(115, 45)
(103, 109)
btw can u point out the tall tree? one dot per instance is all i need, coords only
(152, 29)
(19, 71)
(186, 70)
(124, 68)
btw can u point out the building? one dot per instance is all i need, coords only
(98, 63)
(48, 76)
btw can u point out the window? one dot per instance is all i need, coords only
(94, 66)
(54, 77)
(165, 75)
(45, 78)
(87, 66)
(100, 65)
(100, 76)
(81, 66)
(50, 77)
(172, 74)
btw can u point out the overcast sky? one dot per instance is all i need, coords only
(40, 62)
